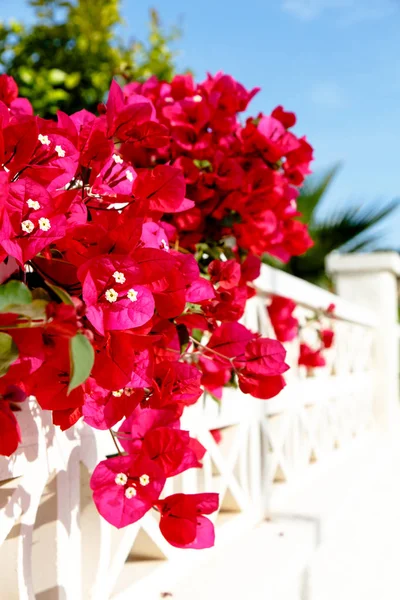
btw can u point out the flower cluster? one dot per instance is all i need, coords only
(128, 246)
(287, 328)
(243, 179)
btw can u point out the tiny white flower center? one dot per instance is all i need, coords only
(44, 224)
(121, 479)
(117, 159)
(168, 99)
(117, 393)
(132, 295)
(128, 391)
(34, 204)
(144, 479)
(129, 176)
(111, 295)
(27, 226)
(164, 245)
(119, 277)
(43, 139)
(60, 151)
(130, 492)
(197, 98)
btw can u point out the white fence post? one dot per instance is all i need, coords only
(371, 280)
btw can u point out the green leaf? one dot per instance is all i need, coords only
(82, 359)
(8, 352)
(56, 76)
(62, 294)
(202, 164)
(35, 310)
(14, 292)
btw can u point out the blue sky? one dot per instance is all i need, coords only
(334, 62)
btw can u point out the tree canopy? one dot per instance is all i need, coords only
(66, 59)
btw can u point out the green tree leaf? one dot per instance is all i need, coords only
(66, 58)
(8, 352)
(14, 293)
(61, 293)
(81, 360)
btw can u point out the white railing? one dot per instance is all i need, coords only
(53, 543)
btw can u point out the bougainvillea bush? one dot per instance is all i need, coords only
(287, 327)
(129, 242)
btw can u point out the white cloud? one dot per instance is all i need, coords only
(328, 94)
(347, 11)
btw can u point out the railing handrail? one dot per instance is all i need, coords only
(274, 281)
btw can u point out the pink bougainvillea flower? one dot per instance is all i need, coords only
(143, 420)
(182, 522)
(114, 295)
(126, 487)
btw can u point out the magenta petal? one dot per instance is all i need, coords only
(125, 314)
(205, 534)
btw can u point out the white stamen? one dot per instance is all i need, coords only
(144, 479)
(27, 226)
(129, 176)
(132, 295)
(34, 204)
(130, 492)
(119, 277)
(121, 479)
(117, 393)
(44, 139)
(60, 151)
(111, 295)
(44, 224)
(168, 99)
(117, 159)
(164, 245)
(197, 98)
(128, 391)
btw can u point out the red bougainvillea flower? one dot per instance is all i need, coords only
(10, 433)
(327, 337)
(129, 242)
(285, 325)
(311, 358)
(182, 522)
(126, 487)
(173, 450)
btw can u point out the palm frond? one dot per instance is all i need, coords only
(351, 228)
(314, 188)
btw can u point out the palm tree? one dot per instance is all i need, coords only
(347, 228)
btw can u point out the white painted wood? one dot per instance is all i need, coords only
(265, 446)
(371, 281)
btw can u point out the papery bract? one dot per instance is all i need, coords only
(182, 522)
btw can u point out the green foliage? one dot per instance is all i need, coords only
(67, 58)
(350, 228)
(14, 293)
(82, 359)
(8, 352)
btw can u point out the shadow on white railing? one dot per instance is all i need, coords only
(54, 544)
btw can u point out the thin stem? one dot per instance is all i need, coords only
(115, 442)
(212, 350)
